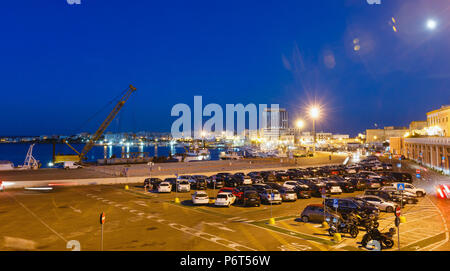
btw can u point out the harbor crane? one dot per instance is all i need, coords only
(81, 156)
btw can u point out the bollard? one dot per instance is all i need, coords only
(177, 200)
(337, 237)
(324, 224)
(212, 201)
(272, 221)
(402, 219)
(126, 187)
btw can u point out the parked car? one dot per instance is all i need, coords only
(359, 184)
(164, 187)
(373, 184)
(214, 182)
(152, 182)
(380, 203)
(224, 199)
(387, 195)
(303, 192)
(420, 192)
(346, 186)
(200, 197)
(251, 198)
(332, 188)
(290, 184)
(270, 196)
(183, 185)
(315, 213)
(349, 205)
(287, 194)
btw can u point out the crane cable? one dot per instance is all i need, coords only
(101, 110)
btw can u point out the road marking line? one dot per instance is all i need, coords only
(40, 220)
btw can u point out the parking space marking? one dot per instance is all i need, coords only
(206, 236)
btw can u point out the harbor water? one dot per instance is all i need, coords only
(16, 152)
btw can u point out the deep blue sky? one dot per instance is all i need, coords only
(61, 63)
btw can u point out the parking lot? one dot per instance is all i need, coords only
(67, 218)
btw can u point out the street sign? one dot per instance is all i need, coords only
(399, 165)
(390, 156)
(102, 218)
(417, 171)
(400, 158)
(335, 203)
(397, 221)
(272, 196)
(398, 211)
(323, 191)
(400, 186)
(418, 176)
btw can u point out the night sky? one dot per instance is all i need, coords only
(61, 63)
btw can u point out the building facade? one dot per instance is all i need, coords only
(381, 135)
(276, 123)
(433, 152)
(440, 118)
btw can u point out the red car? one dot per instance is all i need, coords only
(238, 194)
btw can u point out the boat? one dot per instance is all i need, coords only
(230, 155)
(194, 155)
(6, 165)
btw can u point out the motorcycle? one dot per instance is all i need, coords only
(385, 239)
(343, 227)
(367, 222)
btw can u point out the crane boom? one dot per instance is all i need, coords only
(106, 122)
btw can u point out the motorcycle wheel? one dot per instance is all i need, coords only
(388, 243)
(331, 231)
(354, 232)
(365, 240)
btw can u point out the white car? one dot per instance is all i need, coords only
(183, 186)
(290, 184)
(200, 197)
(380, 203)
(164, 187)
(71, 165)
(225, 199)
(392, 188)
(334, 189)
(247, 181)
(412, 189)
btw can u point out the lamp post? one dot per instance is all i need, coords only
(314, 114)
(299, 124)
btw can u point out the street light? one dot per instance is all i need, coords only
(431, 24)
(314, 113)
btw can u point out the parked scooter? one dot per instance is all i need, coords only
(385, 239)
(338, 226)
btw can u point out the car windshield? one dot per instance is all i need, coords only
(222, 196)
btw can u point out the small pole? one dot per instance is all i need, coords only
(102, 239)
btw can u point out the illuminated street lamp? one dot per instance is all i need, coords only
(314, 113)
(431, 24)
